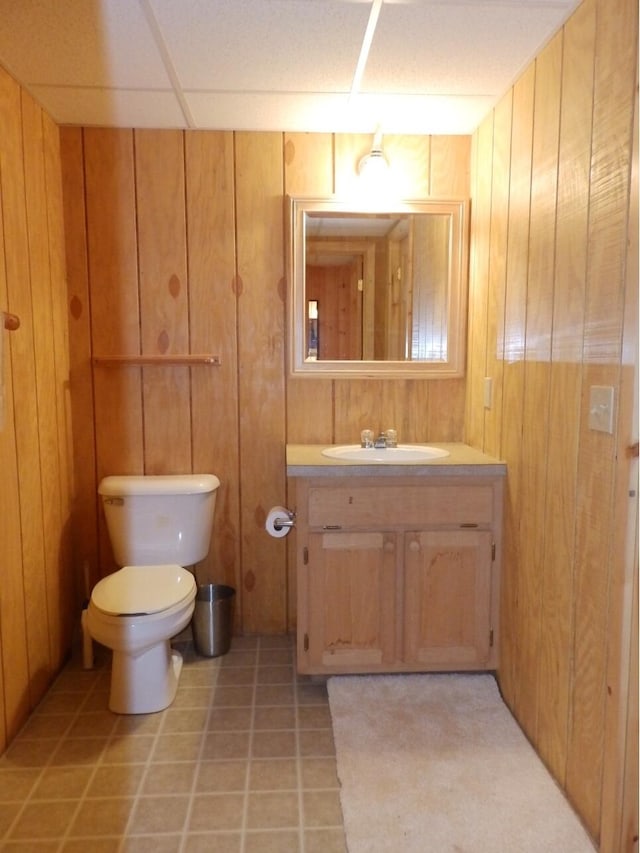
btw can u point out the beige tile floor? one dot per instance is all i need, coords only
(242, 762)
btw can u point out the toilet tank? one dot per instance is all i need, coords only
(155, 520)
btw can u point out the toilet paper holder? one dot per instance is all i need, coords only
(289, 521)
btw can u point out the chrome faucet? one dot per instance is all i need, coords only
(384, 439)
(381, 440)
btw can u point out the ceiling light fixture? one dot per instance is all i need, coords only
(374, 164)
(374, 170)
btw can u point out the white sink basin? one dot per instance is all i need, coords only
(388, 455)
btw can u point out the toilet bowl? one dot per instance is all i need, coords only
(135, 612)
(153, 522)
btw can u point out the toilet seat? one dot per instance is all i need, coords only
(143, 590)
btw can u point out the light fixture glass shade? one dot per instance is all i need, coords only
(374, 172)
(373, 166)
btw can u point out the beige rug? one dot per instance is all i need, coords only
(436, 763)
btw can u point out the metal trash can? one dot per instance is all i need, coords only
(212, 621)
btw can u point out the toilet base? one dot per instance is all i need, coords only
(145, 683)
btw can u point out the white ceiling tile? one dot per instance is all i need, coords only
(268, 111)
(454, 49)
(253, 45)
(110, 107)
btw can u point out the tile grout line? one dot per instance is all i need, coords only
(296, 709)
(184, 836)
(247, 777)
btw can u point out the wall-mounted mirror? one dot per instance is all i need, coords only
(377, 292)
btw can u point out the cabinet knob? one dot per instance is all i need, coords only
(414, 546)
(389, 546)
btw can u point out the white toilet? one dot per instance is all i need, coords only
(158, 525)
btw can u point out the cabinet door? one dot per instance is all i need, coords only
(351, 583)
(447, 598)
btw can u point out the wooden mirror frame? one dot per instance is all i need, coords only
(453, 366)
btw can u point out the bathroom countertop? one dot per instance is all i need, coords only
(306, 460)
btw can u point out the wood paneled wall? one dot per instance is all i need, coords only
(552, 313)
(37, 589)
(176, 245)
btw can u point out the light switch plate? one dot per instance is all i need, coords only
(601, 401)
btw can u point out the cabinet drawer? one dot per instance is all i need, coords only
(404, 506)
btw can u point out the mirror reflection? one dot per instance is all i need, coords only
(378, 290)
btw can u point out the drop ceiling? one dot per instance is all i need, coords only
(405, 66)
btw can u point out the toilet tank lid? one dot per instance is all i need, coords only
(167, 484)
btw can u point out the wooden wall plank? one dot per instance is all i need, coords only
(164, 299)
(619, 823)
(615, 65)
(594, 496)
(212, 329)
(544, 188)
(114, 306)
(473, 193)
(10, 536)
(66, 600)
(113, 280)
(17, 643)
(513, 370)
(554, 665)
(112, 241)
(539, 307)
(84, 545)
(573, 184)
(497, 270)
(478, 294)
(41, 587)
(259, 217)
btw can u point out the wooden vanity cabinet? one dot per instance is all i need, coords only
(398, 574)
